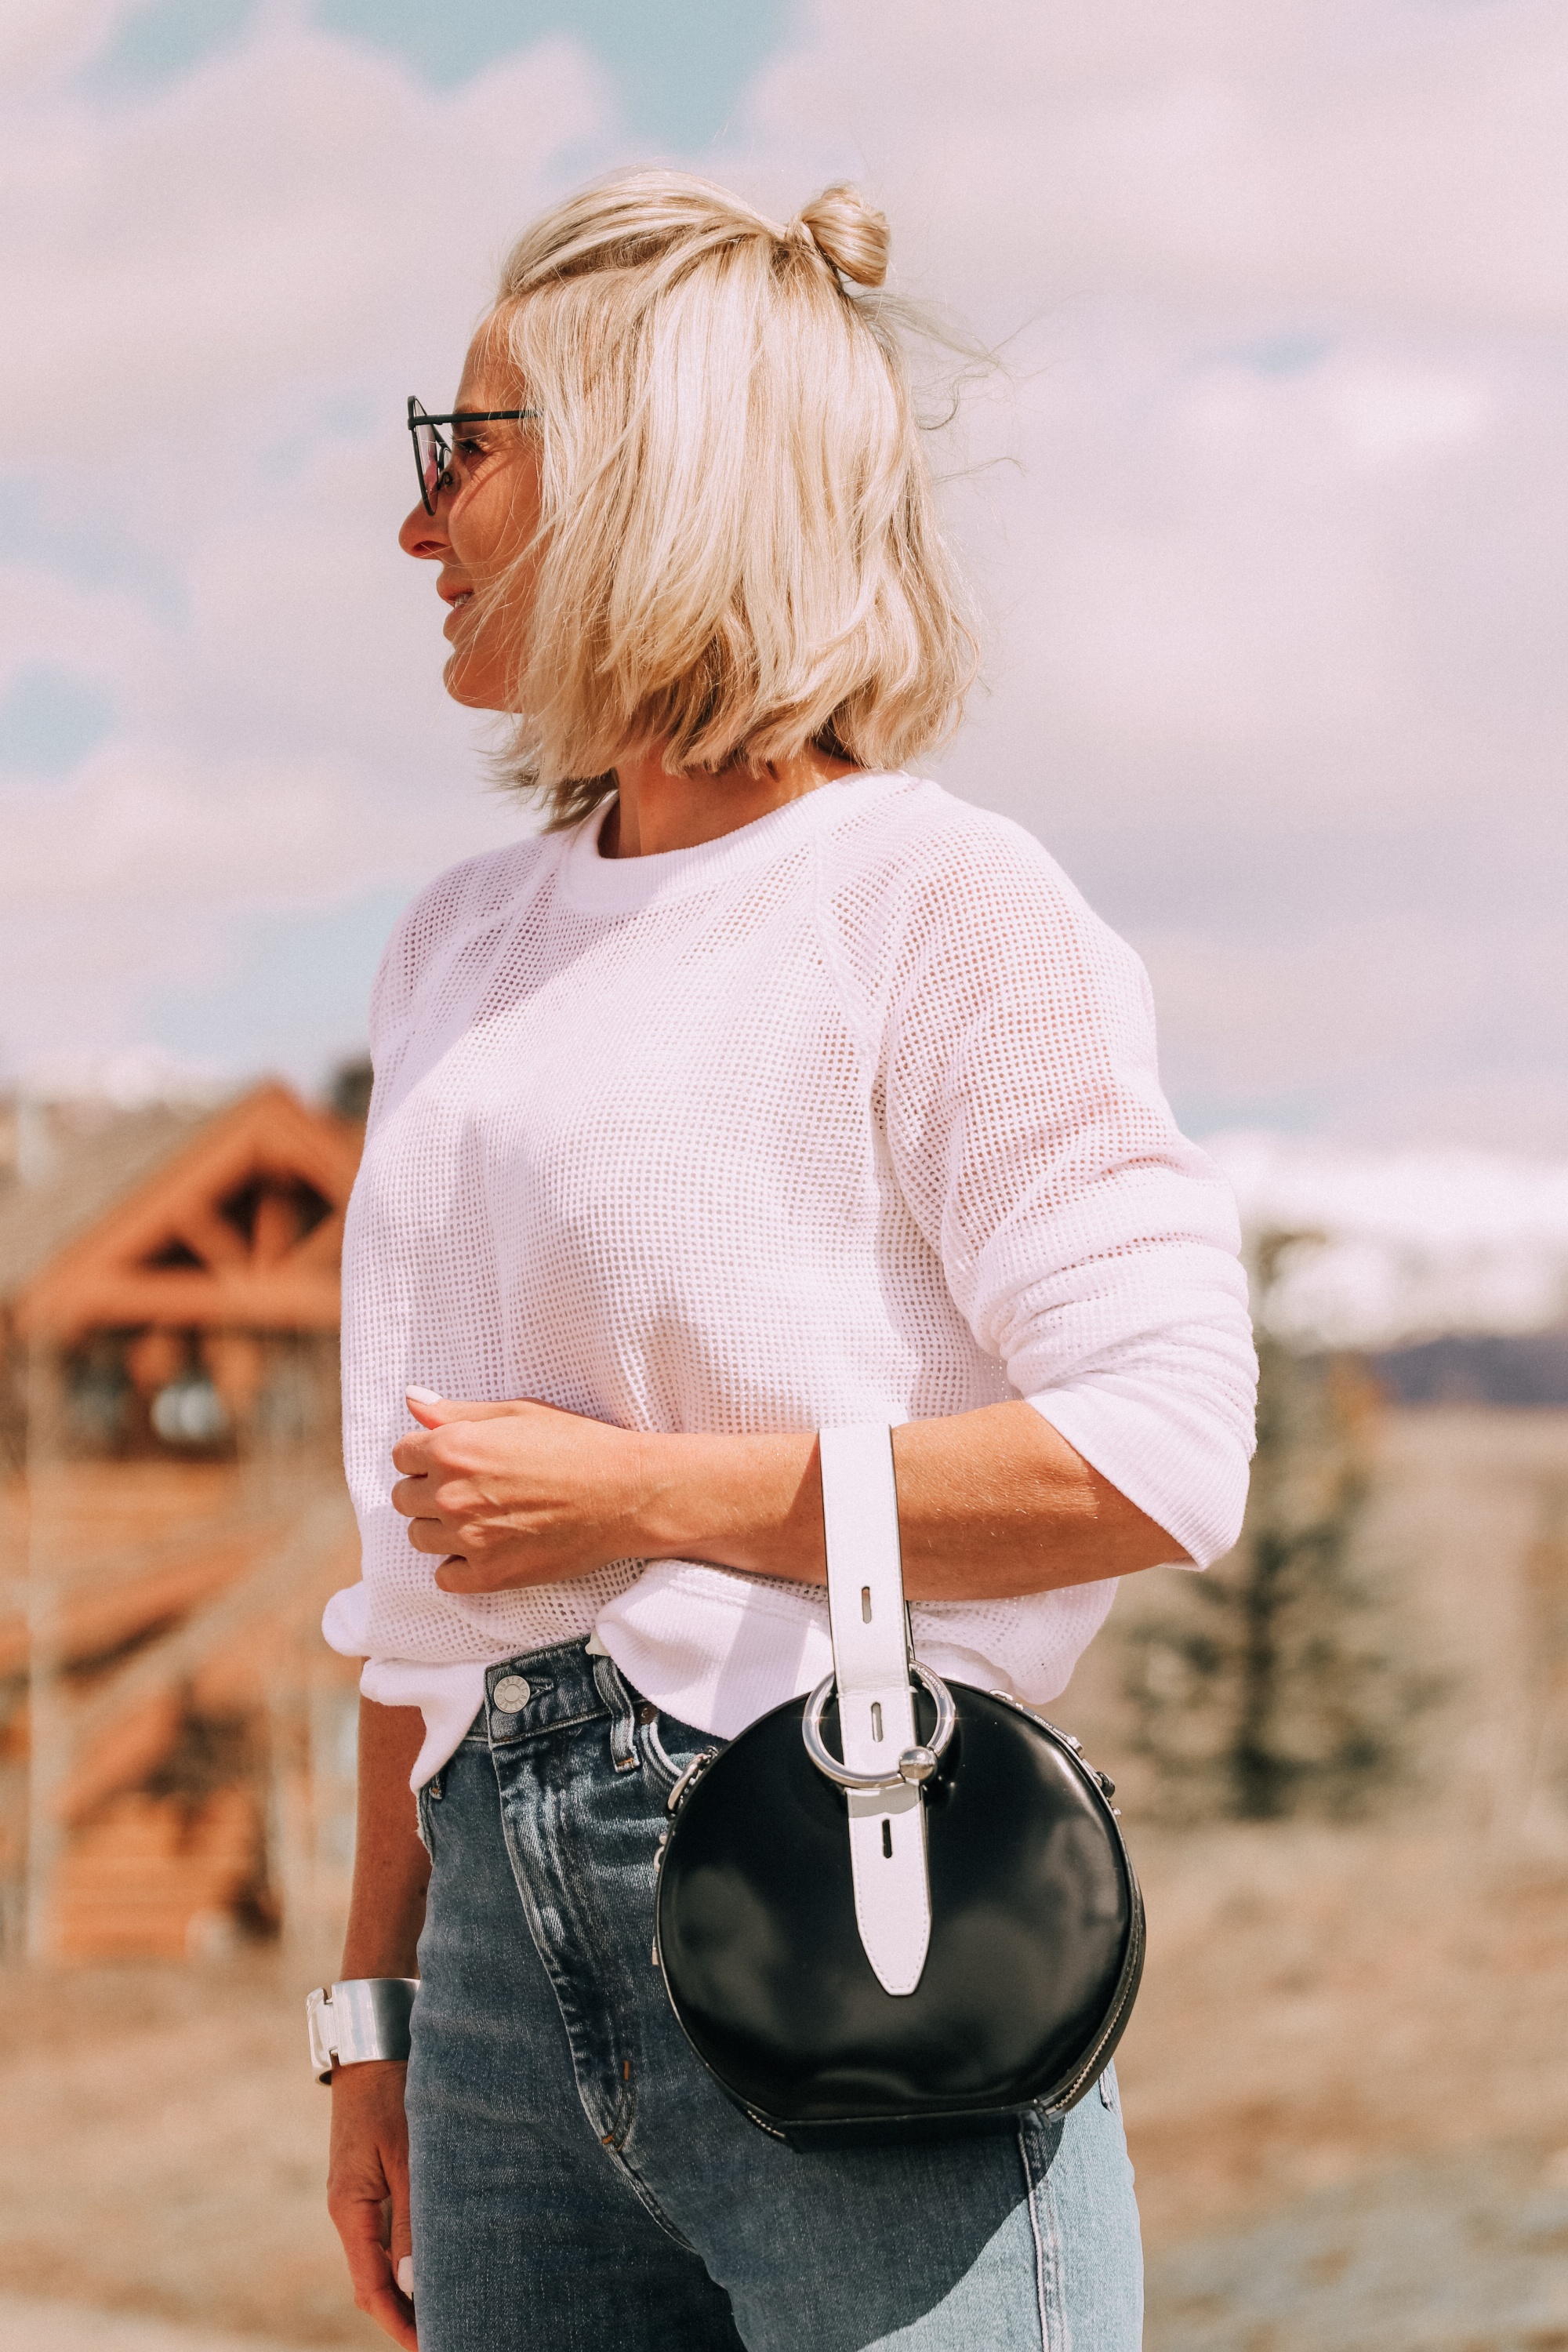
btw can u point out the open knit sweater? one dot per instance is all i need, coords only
(850, 1115)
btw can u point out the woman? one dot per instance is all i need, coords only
(770, 1088)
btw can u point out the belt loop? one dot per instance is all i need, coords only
(623, 1715)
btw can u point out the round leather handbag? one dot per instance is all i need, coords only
(928, 1932)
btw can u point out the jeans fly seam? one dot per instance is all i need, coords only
(1035, 2234)
(625, 1754)
(574, 2025)
(646, 2197)
(624, 2115)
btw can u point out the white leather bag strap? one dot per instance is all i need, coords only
(876, 1704)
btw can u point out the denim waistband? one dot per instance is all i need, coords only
(545, 1691)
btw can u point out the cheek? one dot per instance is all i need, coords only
(472, 527)
(493, 521)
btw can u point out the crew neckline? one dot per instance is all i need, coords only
(617, 884)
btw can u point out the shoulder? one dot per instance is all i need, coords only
(473, 891)
(915, 867)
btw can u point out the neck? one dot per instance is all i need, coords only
(654, 811)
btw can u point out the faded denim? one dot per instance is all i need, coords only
(578, 2180)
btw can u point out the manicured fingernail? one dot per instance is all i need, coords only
(425, 1396)
(405, 2275)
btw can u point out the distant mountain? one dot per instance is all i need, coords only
(1523, 1368)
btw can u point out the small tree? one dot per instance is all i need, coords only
(1265, 1687)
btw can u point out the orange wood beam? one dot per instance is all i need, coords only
(323, 1245)
(87, 1623)
(184, 1297)
(212, 1238)
(123, 1754)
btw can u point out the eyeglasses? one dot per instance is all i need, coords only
(433, 453)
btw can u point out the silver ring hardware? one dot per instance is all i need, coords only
(914, 1764)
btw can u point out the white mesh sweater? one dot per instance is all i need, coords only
(850, 1115)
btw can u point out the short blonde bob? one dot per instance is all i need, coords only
(738, 552)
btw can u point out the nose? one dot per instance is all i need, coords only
(424, 536)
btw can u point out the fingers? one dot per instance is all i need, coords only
(422, 1498)
(400, 2238)
(371, 2267)
(433, 1411)
(425, 1450)
(393, 2311)
(415, 1454)
(367, 2193)
(411, 1497)
(457, 1574)
(431, 1535)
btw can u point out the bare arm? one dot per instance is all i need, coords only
(367, 2181)
(990, 1503)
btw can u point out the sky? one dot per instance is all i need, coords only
(1266, 500)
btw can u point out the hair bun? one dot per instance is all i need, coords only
(848, 233)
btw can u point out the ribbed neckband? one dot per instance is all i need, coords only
(617, 885)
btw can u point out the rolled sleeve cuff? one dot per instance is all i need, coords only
(1165, 1455)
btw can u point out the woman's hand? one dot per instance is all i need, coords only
(367, 2191)
(519, 1494)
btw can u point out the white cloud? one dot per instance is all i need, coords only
(298, 213)
(1275, 574)
(224, 291)
(1406, 158)
(1390, 417)
(43, 37)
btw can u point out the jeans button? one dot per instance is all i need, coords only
(512, 1695)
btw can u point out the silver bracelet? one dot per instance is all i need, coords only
(362, 2017)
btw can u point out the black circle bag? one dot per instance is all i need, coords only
(927, 1937)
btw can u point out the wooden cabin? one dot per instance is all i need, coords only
(175, 1739)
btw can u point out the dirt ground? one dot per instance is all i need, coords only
(1346, 2088)
(1345, 2082)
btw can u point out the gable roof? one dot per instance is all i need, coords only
(88, 1175)
(235, 1221)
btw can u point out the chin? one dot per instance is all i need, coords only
(462, 687)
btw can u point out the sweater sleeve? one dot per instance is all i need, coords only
(1090, 1247)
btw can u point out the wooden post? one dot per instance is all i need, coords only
(49, 1720)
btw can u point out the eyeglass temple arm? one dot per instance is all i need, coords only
(473, 416)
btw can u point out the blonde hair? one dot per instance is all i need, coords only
(737, 550)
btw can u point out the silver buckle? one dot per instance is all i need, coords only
(914, 1764)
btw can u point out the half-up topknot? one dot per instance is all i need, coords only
(850, 235)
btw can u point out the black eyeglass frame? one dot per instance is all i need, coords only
(420, 417)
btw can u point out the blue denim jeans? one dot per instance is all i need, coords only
(578, 2180)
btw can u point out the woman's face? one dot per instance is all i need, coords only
(481, 525)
